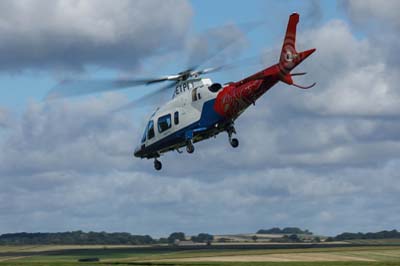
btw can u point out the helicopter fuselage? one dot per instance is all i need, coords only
(197, 112)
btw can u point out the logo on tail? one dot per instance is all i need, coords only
(290, 58)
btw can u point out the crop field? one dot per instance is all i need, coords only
(125, 255)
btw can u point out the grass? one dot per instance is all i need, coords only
(340, 263)
(384, 256)
(394, 241)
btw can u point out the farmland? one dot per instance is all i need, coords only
(164, 255)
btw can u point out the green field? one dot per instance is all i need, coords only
(351, 256)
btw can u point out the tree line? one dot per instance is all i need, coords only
(284, 231)
(378, 235)
(103, 238)
(75, 238)
(94, 238)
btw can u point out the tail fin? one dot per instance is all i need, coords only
(290, 58)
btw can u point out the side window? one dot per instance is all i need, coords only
(176, 118)
(150, 130)
(194, 95)
(164, 123)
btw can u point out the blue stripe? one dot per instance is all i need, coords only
(206, 122)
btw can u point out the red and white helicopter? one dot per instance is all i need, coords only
(201, 109)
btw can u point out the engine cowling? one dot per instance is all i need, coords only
(215, 87)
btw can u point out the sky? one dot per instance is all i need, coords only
(326, 159)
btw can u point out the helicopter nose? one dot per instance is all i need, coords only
(138, 151)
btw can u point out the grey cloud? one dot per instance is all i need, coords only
(352, 74)
(4, 118)
(70, 136)
(67, 34)
(313, 12)
(378, 20)
(320, 159)
(135, 202)
(368, 11)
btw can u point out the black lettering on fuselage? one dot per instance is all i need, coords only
(184, 86)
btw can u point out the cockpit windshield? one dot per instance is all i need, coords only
(144, 135)
(149, 131)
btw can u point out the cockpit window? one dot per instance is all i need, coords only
(150, 130)
(144, 135)
(164, 123)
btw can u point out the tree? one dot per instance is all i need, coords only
(202, 238)
(294, 238)
(378, 235)
(176, 236)
(274, 230)
(254, 237)
(286, 230)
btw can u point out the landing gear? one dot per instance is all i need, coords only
(157, 164)
(189, 146)
(233, 141)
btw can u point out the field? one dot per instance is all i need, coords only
(128, 255)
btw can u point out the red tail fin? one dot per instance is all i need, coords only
(290, 58)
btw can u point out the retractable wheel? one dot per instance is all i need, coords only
(157, 165)
(190, 147)
(234, 142)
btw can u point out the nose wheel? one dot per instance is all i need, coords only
(157, 165)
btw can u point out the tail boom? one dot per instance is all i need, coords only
(234, 98)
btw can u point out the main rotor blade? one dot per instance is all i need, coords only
(200, 54)
(69, 88)
(244, 62)
(146, 99)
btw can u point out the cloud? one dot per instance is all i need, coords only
(324, 159)
(218, 45)
(69, 136)
(379, 21)
(355, 76)
(368, 11)
(4, 118)
(131, 201)
(74, 34)
(348, 118)
(313, 12)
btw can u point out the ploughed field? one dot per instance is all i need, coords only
(147, 255)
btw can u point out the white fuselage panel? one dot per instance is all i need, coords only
(188, 100)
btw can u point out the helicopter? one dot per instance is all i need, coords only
(201, 109)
